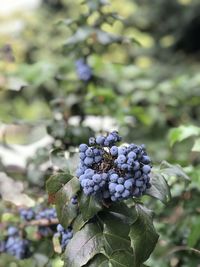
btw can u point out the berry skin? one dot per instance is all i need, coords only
(146, 169)
(60, 228)
(74, 200)
(128, 184)
(97, 159)
(119, 188)
(88, 161)
(112, 187)
(120, 180)
(114, 177)
(146, 160)
(114, 151)
(96, 178)
(83, 147)
(89, 152)
(92, 141)
(100, 140)
(121, 159)
(82, 155)
(131, 155)
(126, 193)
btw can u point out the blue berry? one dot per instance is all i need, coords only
(120, 188)
(96, 178)
(114, 150)
(100, 140)
(88, 161)
(121, 159)
(146, 169)
(128, 184)
(83, 147)
(114, 177)
(92, 141)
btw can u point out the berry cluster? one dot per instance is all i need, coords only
(113, 172)
(48, 214)
(27, 214)
(83, 71)
(15, 245)
(65, 235)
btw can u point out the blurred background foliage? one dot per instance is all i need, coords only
(144, 57)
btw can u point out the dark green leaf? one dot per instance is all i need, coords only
(85, 244)
(143, 236)
(78, 223)
(120, 210)
(115, 233)
(159, 187)
(98, 261)
(89, 206)
(66, 211)
(57, 181)
(122, 258)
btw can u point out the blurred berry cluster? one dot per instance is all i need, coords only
(111, 171)
(83, 70)
(64, 235)
(48, 214)
(14, 244)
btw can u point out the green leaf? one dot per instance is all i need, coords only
(143, 236)
(78, 223)
(89, 206)
(182, 132)
(57, 181)
(196, 146)
(122, 258)
(66, 211)
(85, 244)
(99, 260)
(115, 233)
(168, 170)
(194, 235)
(159, 187)
(121, 211)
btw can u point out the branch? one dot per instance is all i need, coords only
(40, 222)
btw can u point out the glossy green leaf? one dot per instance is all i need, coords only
(122, 258)
(115, 233)
(143, 236)
(89, 206)
(85, 244)
(121, 211)
(159, 188)
(57, 181)
(99, 260)
(66, 211)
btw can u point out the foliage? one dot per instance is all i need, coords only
(144, 74)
